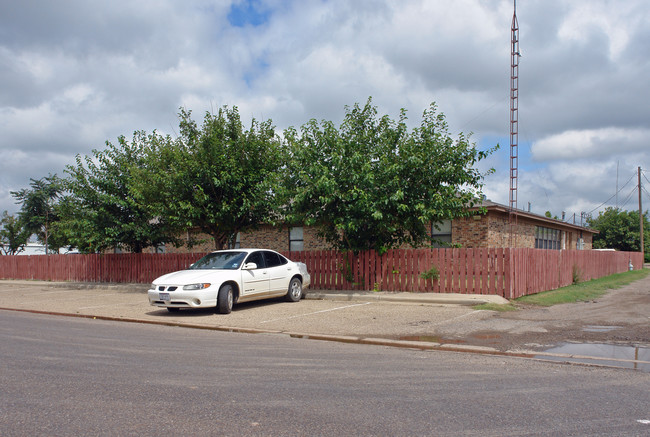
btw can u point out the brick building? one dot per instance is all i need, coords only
(533, 230)
(482, 230)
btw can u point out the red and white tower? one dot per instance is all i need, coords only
(514, 125)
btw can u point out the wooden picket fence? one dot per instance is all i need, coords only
(510, 273)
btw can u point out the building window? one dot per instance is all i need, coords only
(296, 241)
(441, 234)
(547, 238)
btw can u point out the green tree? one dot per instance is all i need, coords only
(620, 230)
(13, 235)
(39, 212)
(373, 184)
(101, 211)
(549, 214)
(220, 178)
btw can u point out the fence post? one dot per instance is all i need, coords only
(508, 273)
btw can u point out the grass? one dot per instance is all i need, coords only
(584, 291)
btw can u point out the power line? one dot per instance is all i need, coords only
(646, 191)
(498, 102)
(644, 176)
(614, 195)
(627, 199)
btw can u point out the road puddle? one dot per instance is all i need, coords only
(630, 357)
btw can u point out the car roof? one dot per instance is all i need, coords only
(247, 250)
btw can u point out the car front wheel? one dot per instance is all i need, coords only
(295, 290)
(225, 299)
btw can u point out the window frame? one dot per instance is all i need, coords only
(436, 234)
(294, 238)
(548, 238)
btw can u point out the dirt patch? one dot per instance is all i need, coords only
(620, 317)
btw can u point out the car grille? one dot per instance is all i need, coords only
(173, 302)
(167, 288)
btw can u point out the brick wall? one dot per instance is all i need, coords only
(470, 232)
(312, 241)
(277, 239)
(493, 230)
(499, 233)
(480, 231)
(205, 243)
(267, 237)
(490, 230)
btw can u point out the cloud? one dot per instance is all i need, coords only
(78, 74)
(591, 144)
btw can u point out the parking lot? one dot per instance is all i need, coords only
(309, 316)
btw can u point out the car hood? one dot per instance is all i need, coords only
(184, 277)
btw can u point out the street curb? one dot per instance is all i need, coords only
(430, 299)
(374, 341)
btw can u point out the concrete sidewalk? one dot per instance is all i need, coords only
(413, 298)
(311, 294)
(378, 318)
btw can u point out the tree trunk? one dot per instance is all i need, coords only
(220, 241)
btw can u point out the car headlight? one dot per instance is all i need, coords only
(200, 286)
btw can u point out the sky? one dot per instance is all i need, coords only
(78, 73)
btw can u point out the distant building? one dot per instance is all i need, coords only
(39, 249)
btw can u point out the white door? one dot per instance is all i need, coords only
(279, 271)
(255, 281)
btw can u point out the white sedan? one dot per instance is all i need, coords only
(223, 278)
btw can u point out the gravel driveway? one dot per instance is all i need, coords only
(621, 316)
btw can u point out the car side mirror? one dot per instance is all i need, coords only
(250, 266)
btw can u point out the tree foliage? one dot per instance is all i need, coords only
(620, 230)
(39, 213)
(13, 235)
(371, 183)
(374, 184)
(101, 211)
(549, 214)
(220, 177)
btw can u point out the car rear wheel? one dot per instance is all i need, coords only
(295, 290)
(225, 299)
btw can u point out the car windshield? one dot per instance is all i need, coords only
(220, 261)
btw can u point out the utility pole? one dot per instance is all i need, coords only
(617, 184)
(640, 213)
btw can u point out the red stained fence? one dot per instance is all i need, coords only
(127, 267)
(505, 272)
(510, 273)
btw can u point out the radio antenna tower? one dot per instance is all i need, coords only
(514, 126)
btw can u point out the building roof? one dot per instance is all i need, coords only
(493, 206)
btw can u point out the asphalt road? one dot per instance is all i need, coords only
(73, 376)
(610, 331)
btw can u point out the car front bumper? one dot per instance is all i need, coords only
(180, 298)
